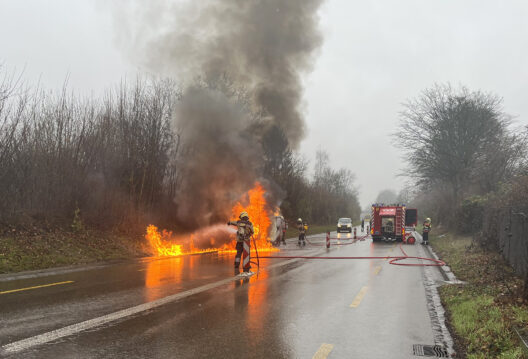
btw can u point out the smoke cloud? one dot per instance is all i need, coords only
(242, 62)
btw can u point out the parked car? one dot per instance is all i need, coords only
(344, 225)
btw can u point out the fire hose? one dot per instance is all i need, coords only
(256, 252)
(393, 259)
(335, 244)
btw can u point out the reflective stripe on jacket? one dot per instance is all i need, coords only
(301, 228)
(426, 227)
(244, 229)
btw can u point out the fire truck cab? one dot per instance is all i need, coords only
(393, 222)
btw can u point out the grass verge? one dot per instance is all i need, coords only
(20, 251)
(483, 312)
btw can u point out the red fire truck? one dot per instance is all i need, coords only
(393, 222)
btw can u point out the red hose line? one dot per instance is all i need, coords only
(333, 243)
(338, 238)
(393, 259)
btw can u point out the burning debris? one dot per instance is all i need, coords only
(259, 213)
(160, 242)
(217, 238)
(240, 65)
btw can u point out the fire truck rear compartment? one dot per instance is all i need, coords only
(387, 227)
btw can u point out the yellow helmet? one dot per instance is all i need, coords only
(428, 219)
(244, 215)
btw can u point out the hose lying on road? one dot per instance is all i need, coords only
(360, 238)
(393, 259)
(256, 252)
(333, 243)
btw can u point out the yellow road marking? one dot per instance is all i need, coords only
(323, 352)
(359, 297)
(377, 270)
(36, 287)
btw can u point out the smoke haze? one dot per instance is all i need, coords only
(260, 47)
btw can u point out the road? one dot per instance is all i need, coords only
(194, 307)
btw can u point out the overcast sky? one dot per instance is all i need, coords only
(375, 55)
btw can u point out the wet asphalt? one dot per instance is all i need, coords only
(290, 309)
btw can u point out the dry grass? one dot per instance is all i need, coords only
(31, 250)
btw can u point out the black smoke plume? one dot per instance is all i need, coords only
(262, 47)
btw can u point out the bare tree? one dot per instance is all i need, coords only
(333, 194)
(460, 138)
(59, 153)
(119, 162)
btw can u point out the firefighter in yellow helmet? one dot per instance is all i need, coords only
(426, 230)
(244, 232)
(302, 227)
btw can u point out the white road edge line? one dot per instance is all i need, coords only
(69, 330)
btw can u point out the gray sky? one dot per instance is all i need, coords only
(375, 55)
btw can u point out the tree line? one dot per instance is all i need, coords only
(459, 144)
(469, 164)
(328, 195)
(115, 161)
(110, 158)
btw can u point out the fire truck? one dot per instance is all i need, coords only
(393, 222)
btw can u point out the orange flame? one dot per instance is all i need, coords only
(162, 243)
(163, 248)
(259, 215)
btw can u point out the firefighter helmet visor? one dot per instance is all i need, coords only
(244, 215)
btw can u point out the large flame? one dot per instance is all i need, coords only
(162, 244)
(259, 214)
(162, 247)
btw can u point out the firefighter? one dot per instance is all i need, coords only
(426, 230)
(244, 232)
(302, 227)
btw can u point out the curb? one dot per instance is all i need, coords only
(445, 271)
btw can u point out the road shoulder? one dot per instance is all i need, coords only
(484, 312)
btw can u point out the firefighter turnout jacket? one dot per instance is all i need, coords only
(244, 229)
(426, 227)
(302, 227)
